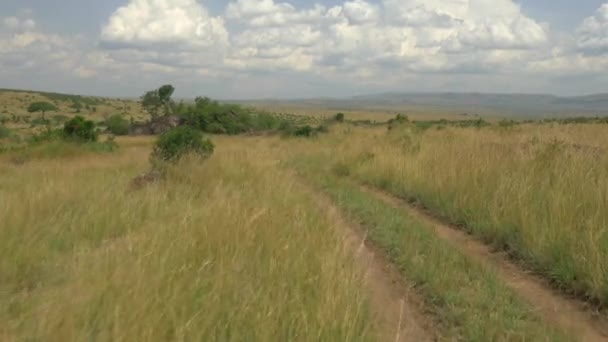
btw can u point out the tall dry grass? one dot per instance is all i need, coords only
(540, 192)
(229, 249)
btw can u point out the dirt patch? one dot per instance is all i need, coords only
(560, 310)
(399, 312)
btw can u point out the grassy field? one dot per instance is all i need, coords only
(229, 250)
(537, 191)
(463, 294)
(15, 103)
(239, 247)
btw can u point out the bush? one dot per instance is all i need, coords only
(180, 141)
(47, 135)
(216, 128)
(5, 132)
(218, 118)
(79, 129)
(118, 125)
(304, 131)
(397, 121)
(340, 117)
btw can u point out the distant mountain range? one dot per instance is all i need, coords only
(484, 104)
(509, 105)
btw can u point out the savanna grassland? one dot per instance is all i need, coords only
(230, 249)
(537, 191)
(253, 241)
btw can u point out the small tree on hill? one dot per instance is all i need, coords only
(42, 106)
(160, 99)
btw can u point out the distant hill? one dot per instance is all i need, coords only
(505, 105)
(15, 102)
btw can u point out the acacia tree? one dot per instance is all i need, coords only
(160, 99)
(42, 106)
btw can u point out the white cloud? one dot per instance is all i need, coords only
(593, 32)
(469, 24)
(265, 13)
(17, 24)
(360, 12)
(360, 42)
(184, 24)
(408, 35)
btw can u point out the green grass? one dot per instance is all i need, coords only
(466, 296)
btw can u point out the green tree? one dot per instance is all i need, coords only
(160, 99)
(340, 117)
(42, 106)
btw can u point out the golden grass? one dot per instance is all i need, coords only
(539, 191)
(378, 115)
(228, 249)
(16, 103)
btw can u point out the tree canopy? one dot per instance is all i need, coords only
(41, 107)
(159, 99)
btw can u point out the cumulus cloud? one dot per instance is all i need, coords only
(266, 13)
(364, 41)
(17, 24)
(146, 24)
(469, 24)
(593, 32)
(24, 48)
(360, 12)
(410, 35)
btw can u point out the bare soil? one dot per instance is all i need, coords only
(399, 312)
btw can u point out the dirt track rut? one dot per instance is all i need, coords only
(398, 311)
(551, 305)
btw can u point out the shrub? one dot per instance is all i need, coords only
(180, 141)
(265, 122)
(507, 123)
(5, 132)
(304, 131)
(216, 128)
(47, 135)
(397, 121)
(118, 125)
(80, 129)
(340, 117)
(218, 118)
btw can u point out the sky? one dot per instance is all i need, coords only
(237, 49)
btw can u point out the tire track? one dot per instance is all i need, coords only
(399, 313)
(568, 313)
